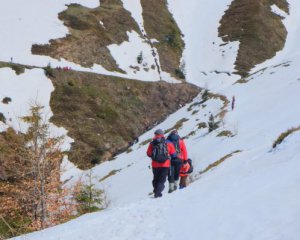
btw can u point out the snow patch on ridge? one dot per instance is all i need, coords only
(126, 56)
(205, 52)
(136, 10)
(275, 9)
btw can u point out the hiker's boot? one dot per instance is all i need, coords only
(176, 185)
(171, 187)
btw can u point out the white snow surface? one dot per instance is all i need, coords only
(130, 50)
(254, 194)
(275, 9)
(36, 22)
(136, 10)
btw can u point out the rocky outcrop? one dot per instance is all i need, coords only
(91, 31)
(260, 32)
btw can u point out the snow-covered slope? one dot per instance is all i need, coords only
(254, 193)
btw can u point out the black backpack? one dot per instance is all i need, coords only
(160, 150)
(174, 138)
(191, 166)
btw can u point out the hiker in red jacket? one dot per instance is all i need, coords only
(184, 172)
(160, 151)
(177, 162)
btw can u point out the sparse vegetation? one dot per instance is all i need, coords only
(212, 124)
(177, 125)
(192, 133)
(218, 162)
(242, 80)
(145, 142)
(225, 133)
(205, 96)
(140, 58)
(49, 72)
(193, 105)
(284, 135)
(111, 173)
(202, 125)
(6, 100)
(2, 118)
(18, 68)
(180, 72)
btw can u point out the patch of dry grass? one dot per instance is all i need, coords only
(177, 125)
(218, 162)
(111, 173)
(225, 133)
(283, 136)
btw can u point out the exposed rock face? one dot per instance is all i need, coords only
(105, 114)
(91, 31)
(260, 32)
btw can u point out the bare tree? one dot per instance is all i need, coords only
(45, 157)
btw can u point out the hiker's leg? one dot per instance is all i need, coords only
(177, 171)
(176, 174)
(171, 178)
(155, 178)
(171, 174)
(182, 183)
(163, 174)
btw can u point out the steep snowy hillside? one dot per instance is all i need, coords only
(243, 186)
(69, 43)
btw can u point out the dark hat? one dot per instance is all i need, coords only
(159, 132)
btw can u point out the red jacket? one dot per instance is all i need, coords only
(184, 169)
(171, 151)
(183, 152)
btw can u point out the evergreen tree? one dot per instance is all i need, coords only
(49, 71)
(205, 96)
(212, 125)
(89, 198)
(140, 58)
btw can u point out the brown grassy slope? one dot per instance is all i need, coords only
(88, 39)
(261, 32)
(160, 25)
(104, 114)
